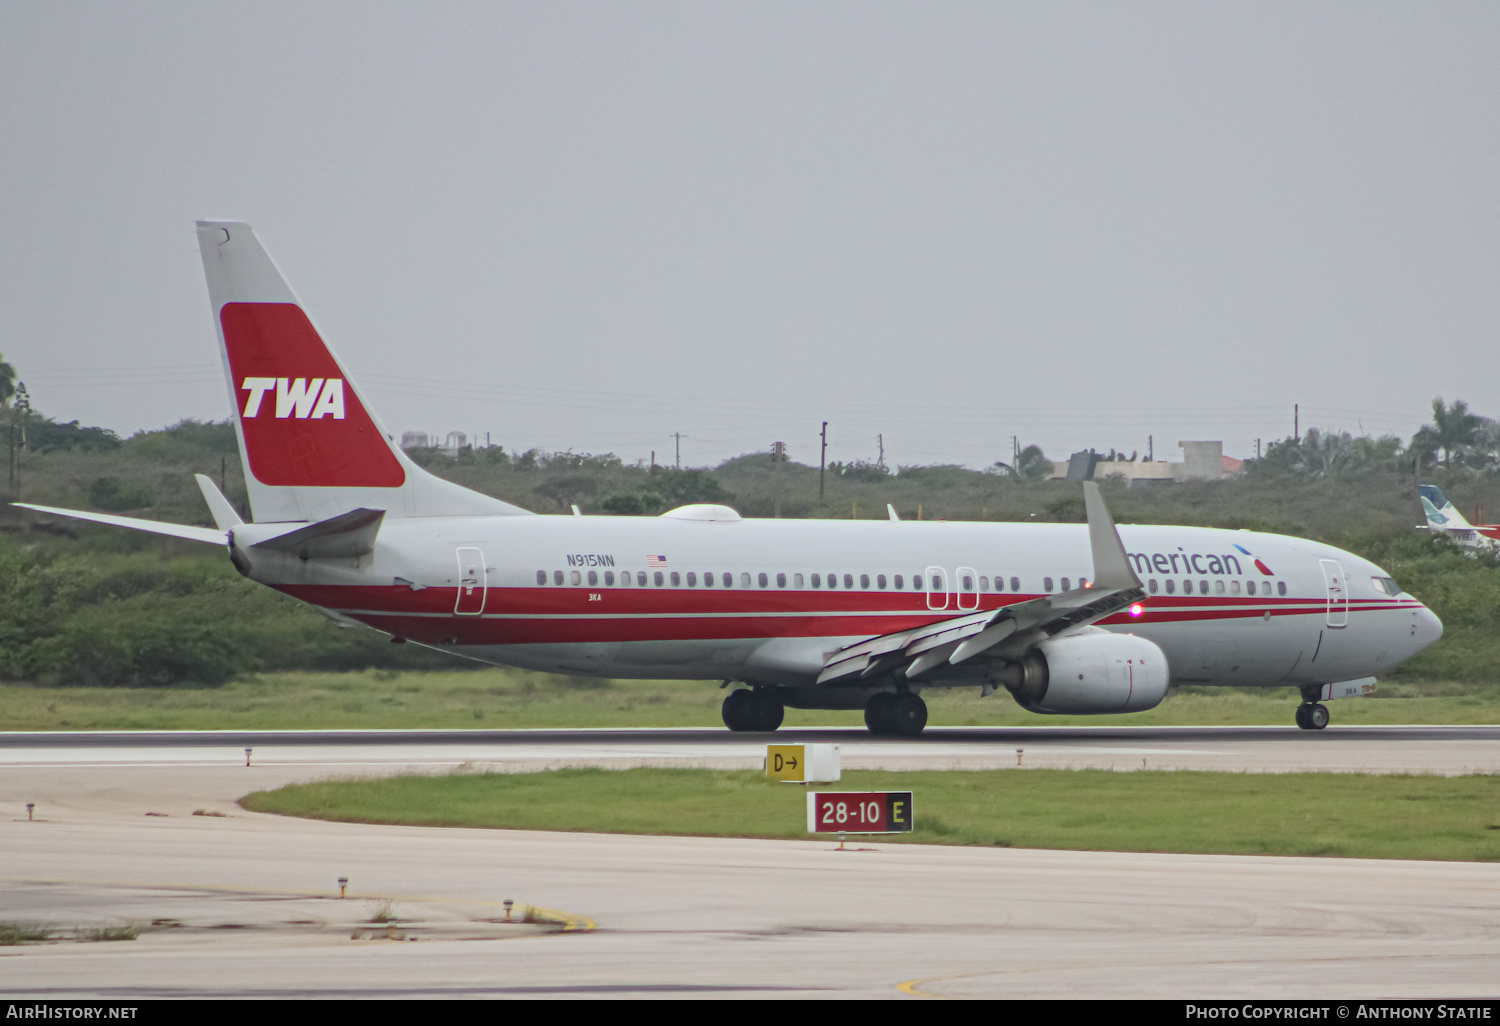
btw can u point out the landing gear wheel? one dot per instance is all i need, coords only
(752, 710)
(769, 712)
(878, 713)
(1302, 717)
(1317, 716)
(738, 710)
(908, 714)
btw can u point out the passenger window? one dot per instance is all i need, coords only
(880, 581)
(744, 580)
(1218, 587)
(658, 579)
(917, 583)
(1151, 586)
(593, 578)
(864, 581)
(833, 580)
(640, 578)
(764, 581)
(1083, 582)
(541, 577)
(1171, 586)
(797, 581)
(1064, 585)
(1202, 587)
(1187, 587)
(937, 583)
(1047, 584)
(968, 583)
(676, 579)
(781, 580)
(848, 580)
(1234, 587)
(898, 582)
(1281, 587)
(625, 579)
(728, 580)
(984, 584)
(817, 580)
(1249, 587)
(574, 577)
(708, 579)
(1015, 584)
(609, 577)
(557, 577)
(692, 579)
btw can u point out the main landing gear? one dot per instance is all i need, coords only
(901, 715)
(752, 710)
(1312, 714)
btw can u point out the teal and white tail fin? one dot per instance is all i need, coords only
(1441, 514)
(311, 445)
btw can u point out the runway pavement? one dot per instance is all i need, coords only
(246, 904)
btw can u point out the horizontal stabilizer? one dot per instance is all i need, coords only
(197, 534)
(342, 537)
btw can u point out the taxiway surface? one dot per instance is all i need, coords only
(246, 904)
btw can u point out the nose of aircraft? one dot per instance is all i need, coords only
(1428, 628)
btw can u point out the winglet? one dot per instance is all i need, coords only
(1112, 567)
(225, 518)
(892, 511)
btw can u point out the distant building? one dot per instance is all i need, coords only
(1202, 461)
(456, 441)
(414, 440)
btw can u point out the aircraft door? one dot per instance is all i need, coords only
(937, 588)
(470, 581)
(967, 584)
(1338, 593)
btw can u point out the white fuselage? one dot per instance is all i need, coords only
(751, 600)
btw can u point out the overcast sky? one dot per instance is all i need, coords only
(591, 225)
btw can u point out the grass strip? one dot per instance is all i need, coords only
(1330, 814)
(505, 698)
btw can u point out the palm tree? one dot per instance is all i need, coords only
(1452, 427)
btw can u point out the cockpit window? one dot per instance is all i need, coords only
(1386, 586)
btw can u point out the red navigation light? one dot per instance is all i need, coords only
(1136, 609)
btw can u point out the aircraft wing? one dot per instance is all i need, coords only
(1015, 627)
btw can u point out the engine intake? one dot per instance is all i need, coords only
(1091, 672)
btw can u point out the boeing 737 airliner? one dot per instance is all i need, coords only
(1068, 618)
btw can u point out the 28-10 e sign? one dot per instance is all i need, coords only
(859, 812)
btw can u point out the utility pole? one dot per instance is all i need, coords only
(653, 459)
(1296, 422)
(21, 408)
(679, 436)
(778, 457)
(1257, 448)
(1015, 453)
(880, 441)
(822, 460)
(1150, 448)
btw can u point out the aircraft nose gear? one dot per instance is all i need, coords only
(752, 710)
(903, 715)
(1312, 716)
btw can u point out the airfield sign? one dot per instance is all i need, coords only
(859, 812)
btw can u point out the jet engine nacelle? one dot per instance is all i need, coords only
(1090, 672)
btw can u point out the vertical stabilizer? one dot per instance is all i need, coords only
(311, 446)
(1441, 514)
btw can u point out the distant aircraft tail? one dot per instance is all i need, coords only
(1441, 514)
(311, 446)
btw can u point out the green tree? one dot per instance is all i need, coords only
(1452, 429)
